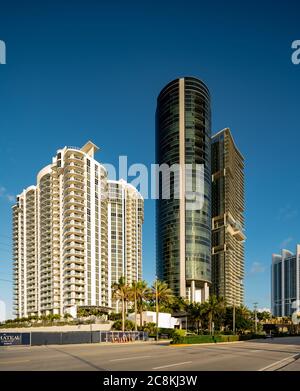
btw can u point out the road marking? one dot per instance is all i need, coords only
(13, 362)
(173, 365)
(281, 363)
(255, 351)
(129, 358)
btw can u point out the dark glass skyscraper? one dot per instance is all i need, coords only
(183, 131)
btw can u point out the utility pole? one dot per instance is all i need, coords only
(135, 305)
(233, 317)
(255, 311)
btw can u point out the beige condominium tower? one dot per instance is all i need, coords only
(227, 218)
(125, 219)
(63, 238)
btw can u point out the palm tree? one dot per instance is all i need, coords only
(162, 295)
(196, 312)
(142, 294)
(179, 304)
(121, 291)
(213, 307)
(133, 294)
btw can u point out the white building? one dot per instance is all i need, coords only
(165, 320)
(63, 239)
(125, 219)
(285, 284)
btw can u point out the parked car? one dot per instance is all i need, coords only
(269, 336)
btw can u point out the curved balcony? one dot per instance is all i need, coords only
(74, 187)
(76, 219)
(78, 174)
(74, 230)
(73, 245)
(76, 165)
(72, 252)
(71, 201)
(73, 180)
(71, 224)
(74, 157)
(73, 267)
(73, 238)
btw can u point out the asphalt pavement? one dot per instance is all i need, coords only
(256, 355)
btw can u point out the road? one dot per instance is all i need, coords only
(256, 355)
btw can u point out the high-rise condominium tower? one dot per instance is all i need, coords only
(125, 219)
(227, 218)
(285, 283)
(64, 237)
(183, 234)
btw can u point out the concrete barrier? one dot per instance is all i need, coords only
(36, 338)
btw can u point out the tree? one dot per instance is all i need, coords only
(133, 292)
(196, 312)
(213, 307)
(162, 295)
(143, 292)
(179, 304)
(243, 319)
(121, 291)
(263, 316)
(129, 325)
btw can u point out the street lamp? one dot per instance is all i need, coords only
(92, 319)
(233, 317)
(233, 310)
(255, 315)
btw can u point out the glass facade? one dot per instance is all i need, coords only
(167, 213)
(197, 151)
(197, 223)
(285, 282)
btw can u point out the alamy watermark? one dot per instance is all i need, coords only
(164, 182)
(2, 52)
(296, 54)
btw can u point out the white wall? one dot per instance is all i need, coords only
(164, 319)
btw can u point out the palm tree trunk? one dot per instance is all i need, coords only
(141, 317)
(135, 311)
(210, 323)
(123, 315)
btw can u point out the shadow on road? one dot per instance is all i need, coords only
(77, 357)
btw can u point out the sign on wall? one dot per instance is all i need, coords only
(7, 339)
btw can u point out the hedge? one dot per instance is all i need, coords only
(194, 339)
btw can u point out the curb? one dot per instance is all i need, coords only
(280, 364)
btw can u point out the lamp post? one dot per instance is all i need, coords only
(92, 319)
(135, 306)
(233, 317)
(234, 305)
(255, 316)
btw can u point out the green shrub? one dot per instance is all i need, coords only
(246, 337)
(195, 339)
(178, 336)
(115, 316)
(166, 331)
(129, 325)
(150, 328)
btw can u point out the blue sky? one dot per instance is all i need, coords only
(80, 70)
